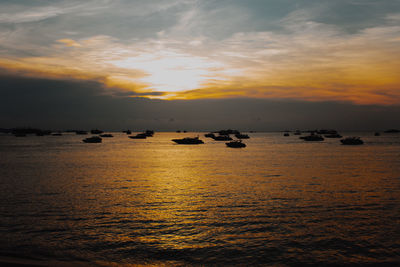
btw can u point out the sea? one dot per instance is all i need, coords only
(280, 201)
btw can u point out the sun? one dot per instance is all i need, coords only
(170, 71)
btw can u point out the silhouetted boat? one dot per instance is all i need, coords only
(127, 131)
(210, 135)
(242, 136)
(149, 133)
(352, 141)
(392, 131)
(93, 139)
(26, 131)
(188, 141)
(81, 132)
(96, 131)
(326, 131)
(138, 136)
(236, 144)
(313, 137)
(222, 138)
(178, 131)
(106, 135)
(336, 135)
(286, 134)
(228, 132)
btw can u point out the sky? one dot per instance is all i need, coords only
(271, 63)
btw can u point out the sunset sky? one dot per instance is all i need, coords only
(345, 51)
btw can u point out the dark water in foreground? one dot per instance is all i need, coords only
(280, 201)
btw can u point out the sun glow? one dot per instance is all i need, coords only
(171, 72)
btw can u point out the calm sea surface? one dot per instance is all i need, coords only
(279, 201)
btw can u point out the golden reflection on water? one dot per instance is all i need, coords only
(124, 196)
(185, 189)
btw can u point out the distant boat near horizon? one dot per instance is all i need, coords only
(209, 135)
(335, 135)
(312, 138)
(106, 135)
(80, 132)
(188, 141)
(96, 131)
(222, 138)
(149, 133)
(242, 136)
(392, 131)
(138, 136)
(352, 141)
(93, 139)
(236, 144)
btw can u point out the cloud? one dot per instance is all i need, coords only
(32, 15)
(207, 50)
(27, 13)
(69, 42)
(71, 104)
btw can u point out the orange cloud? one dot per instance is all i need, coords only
(314, 63)
(69, 42)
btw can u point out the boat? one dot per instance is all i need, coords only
(326, 131)
(336, 135)
(392, 131)
(81, 132)
(228, 132)
(236, 144)
(127, 131)
(106, 135)
(96, 131)
(25, 131)
(138, 136)
(93, 139)
(242, 136)
(149, 133)
(313, 137)
(352, 141)
(188, 141)
(210, 135)
(222, 138)
(286, 134)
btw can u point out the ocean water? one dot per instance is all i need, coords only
(279, 201)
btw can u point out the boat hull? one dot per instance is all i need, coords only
(188, 141)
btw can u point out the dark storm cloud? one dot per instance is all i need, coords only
(67, 104)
